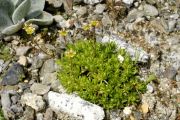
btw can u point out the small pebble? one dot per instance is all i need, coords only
(22, 60)
(127, 111)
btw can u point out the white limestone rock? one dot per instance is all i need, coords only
(92, 2)
(75, 106)
(129, 2)
(134, 52)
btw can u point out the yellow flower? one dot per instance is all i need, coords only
(70, 53)
(95, 23)
(29, 28)
(86, 27)
(63, 32)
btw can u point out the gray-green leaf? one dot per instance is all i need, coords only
(21, 11)
(36, 9)
(44, 19)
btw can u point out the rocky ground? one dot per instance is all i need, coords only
(29, 86)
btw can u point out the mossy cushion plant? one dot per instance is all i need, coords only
(101, 74)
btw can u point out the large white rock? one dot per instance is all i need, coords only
(75, 106)
(134, 52)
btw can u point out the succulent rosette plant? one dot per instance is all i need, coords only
(14, 13)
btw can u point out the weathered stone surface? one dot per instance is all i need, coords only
(92, 2)
(20, 51)
(150, 10)
(49, 114)
(142, 55)
(50, 79)
(29, 114)
(75, 106)
(22, 60)
(6, 104)
(34, 101)
(14, 75)
(55, 3)
(49, 66)
(39, 88)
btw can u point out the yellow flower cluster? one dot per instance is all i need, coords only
(63, 33)
(70, 53)
(29, 28)
(93, 23)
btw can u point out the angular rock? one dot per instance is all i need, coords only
(22, 60)
(15, 99)
(171, 25)
(20, 51)
(40, 89)
(75, 106)
(58, 18)
(160, 25)
(17, 109)
(129, 2)
(28, 114)
(152, 39)
(1, 65)
(39, 116)
(50, 79)
(134, 14)
(106, 21)
(37, 62)
(49, 114)
(145, 108)
(14, 75)
(55, 3)
(49, 66)
(6, 103)
(150, 10)
(170, 72)
(134, 52)
(127, 110)
(80, 11)
(92, 2)
(33, 100)
(100, 8)
(68, 5)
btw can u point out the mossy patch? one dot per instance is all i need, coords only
(1, 115)
(101, 74)
(4, 52)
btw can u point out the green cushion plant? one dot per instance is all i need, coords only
(101, 74)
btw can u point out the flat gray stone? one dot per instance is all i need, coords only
(39, 88)
(100, 8)
(14, 75)
(150, 10)
(49, 66)
(20, 51)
